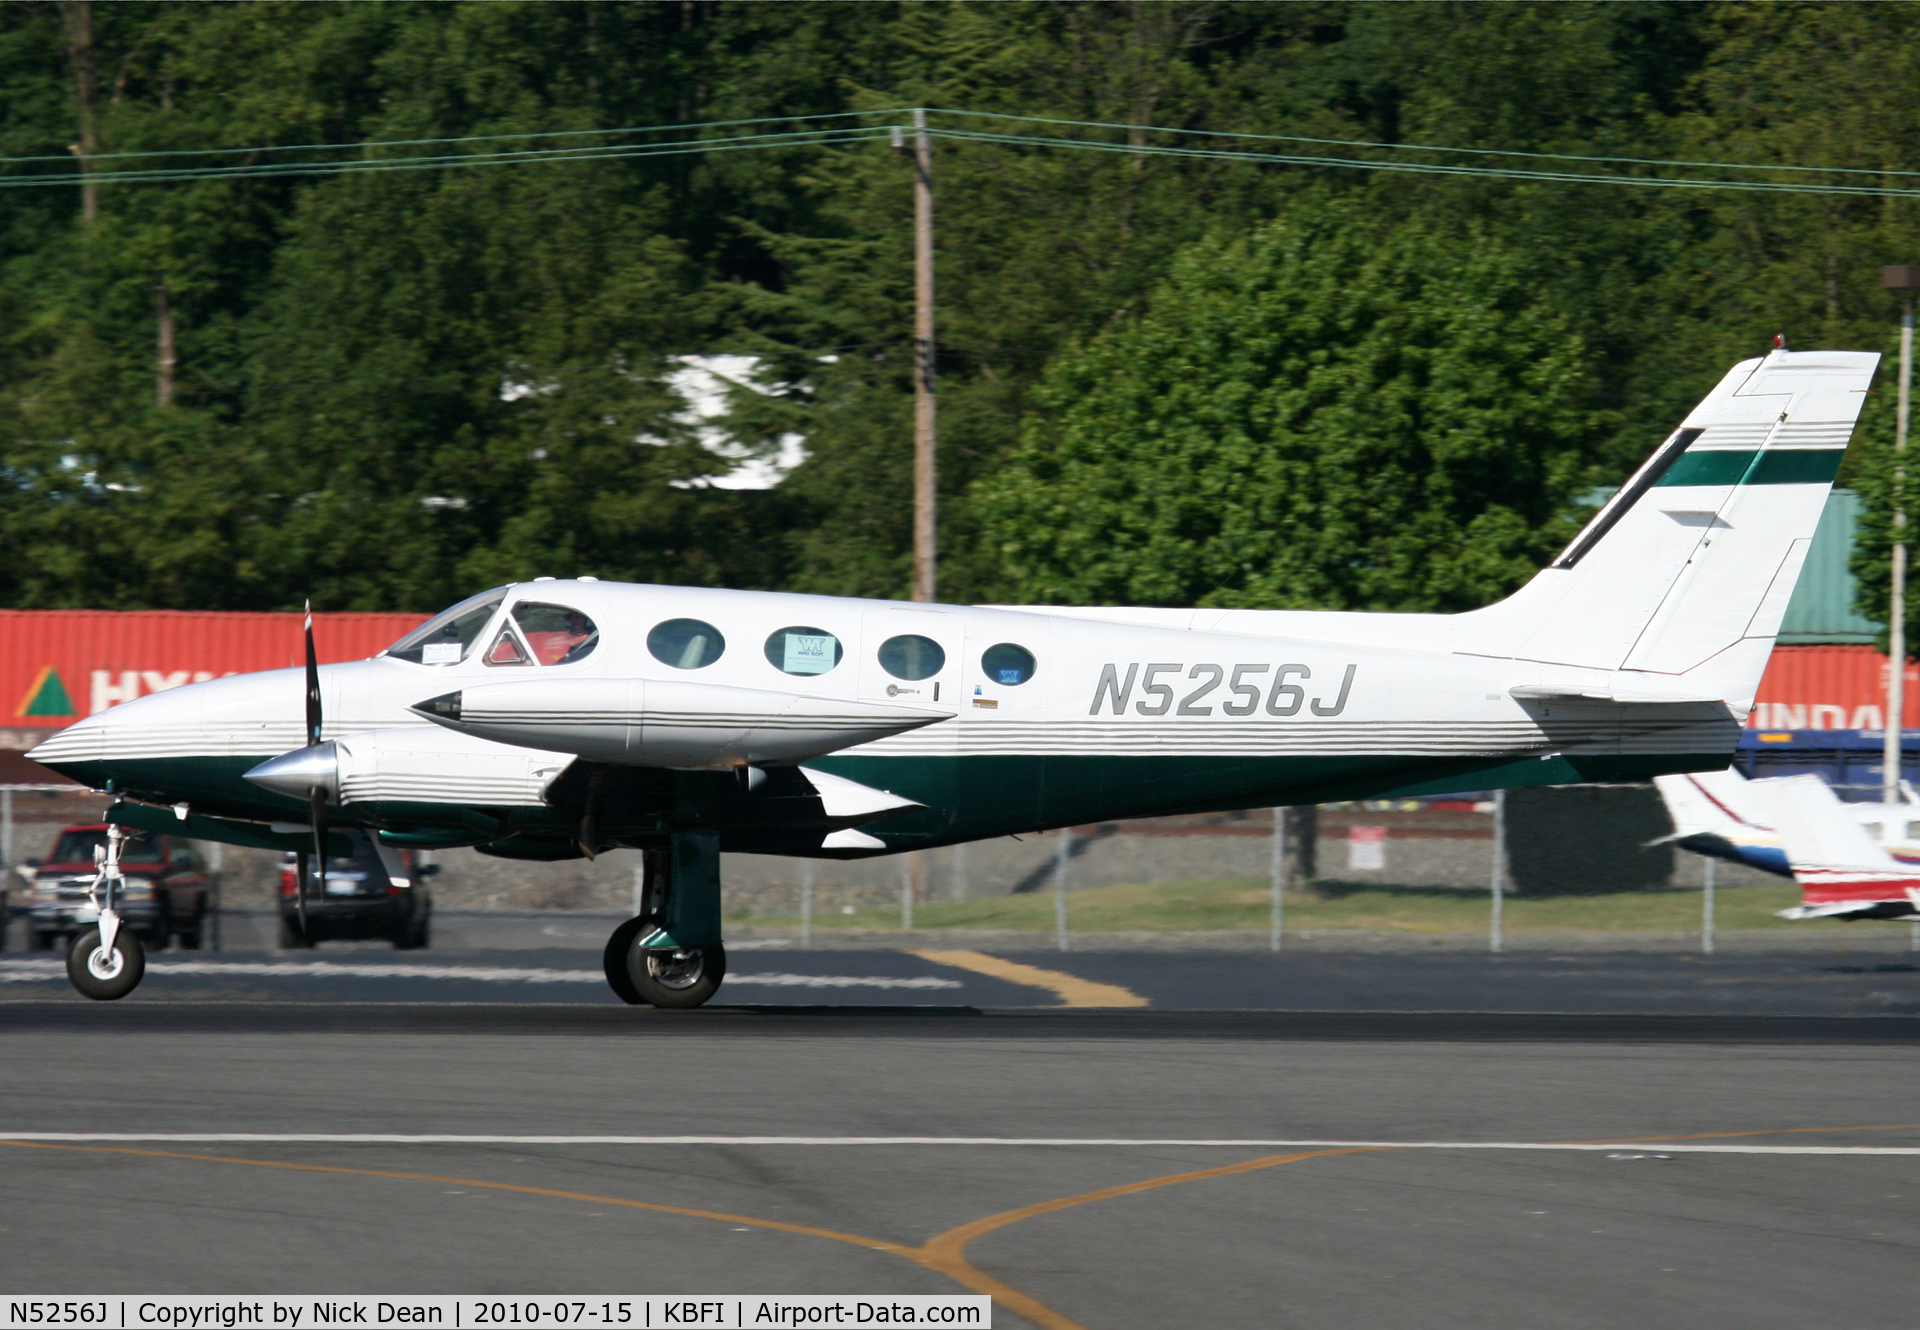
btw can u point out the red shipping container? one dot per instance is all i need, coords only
(1829, 688)
(57, 666)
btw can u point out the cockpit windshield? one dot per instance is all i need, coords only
(446, 638)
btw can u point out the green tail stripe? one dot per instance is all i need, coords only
(1778, 466)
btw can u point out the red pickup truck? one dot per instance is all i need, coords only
(165, 895)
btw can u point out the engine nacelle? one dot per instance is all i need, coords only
(412, 764)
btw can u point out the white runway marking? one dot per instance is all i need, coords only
(1233, 1143)
(16, 971)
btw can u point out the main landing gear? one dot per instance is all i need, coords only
(670, 954)
(107, 961)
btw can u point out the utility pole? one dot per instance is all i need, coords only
(925, 548)
(163, 307)
(76, 23)
(1904, 278)
(925, 541)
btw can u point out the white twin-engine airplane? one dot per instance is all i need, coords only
(553, 718)
(1727, 816)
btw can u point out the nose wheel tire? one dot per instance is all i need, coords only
(677, 976)
(619, 948)
(105, 975)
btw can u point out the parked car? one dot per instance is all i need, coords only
(359, 899)
(166, 895)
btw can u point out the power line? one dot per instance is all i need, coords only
(834, 136)
(1419, 147)
(1426, 168)
(1131, 128)
(350, 166)
(68, 157)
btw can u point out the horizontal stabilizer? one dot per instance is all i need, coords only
(1548, 692)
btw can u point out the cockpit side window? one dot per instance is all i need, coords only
(446, 638)
(557, 634)
(506, 650)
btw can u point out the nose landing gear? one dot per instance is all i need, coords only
(106, 962)
(103, 969)
(671, 955)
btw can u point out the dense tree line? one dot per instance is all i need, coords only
(1162, 380)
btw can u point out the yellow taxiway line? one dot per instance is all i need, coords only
(944, 1253)
(1072, 990)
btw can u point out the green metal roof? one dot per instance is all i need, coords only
(1822, 606)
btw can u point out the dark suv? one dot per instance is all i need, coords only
(166, 891)
(360, 898)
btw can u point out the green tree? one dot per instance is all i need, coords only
(1327, 412)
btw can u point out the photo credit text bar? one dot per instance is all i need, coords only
(597, 1312)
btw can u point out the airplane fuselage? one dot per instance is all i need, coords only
(991, 720)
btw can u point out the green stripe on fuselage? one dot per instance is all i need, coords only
(1732, 466)
(973, 798)
(965, 798)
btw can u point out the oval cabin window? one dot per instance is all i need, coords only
(1007, 664)
(686, 644)
(911, 656)
(803, 650)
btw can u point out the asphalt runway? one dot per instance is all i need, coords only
(1276, 1235)
(1310, 1139)
(1799, 983)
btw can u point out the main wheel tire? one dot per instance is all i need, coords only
(678, 977)
(615, 960)
(105, 977)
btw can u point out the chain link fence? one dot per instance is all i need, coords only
(1584, 865)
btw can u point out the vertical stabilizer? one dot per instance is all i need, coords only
(1714, 803)
(1679, 583)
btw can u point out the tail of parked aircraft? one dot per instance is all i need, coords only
(1678, 585)
(1841, 871)
(1719, 813)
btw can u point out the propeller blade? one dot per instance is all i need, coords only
(316, 796)
(313, 685)
(317, 810)
(300, 889)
